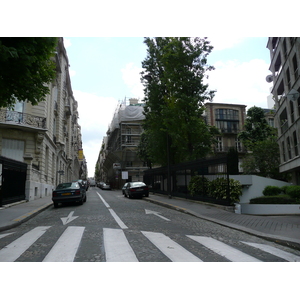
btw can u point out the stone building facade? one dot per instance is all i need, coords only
(285, 62)
(47, 137)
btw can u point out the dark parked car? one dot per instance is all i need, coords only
(69, 192)
(135, 189)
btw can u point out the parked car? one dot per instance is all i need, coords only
(124, 187)
(135, 189)
(105, 186)
(69, 192)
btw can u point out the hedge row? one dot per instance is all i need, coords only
(280, 199)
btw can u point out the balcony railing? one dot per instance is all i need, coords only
(14, 117)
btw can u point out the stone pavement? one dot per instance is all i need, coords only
(283, 229)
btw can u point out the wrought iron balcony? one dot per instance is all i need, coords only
(14, 117)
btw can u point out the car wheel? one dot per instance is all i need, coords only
(55, 204)
(147, 195)
(85, 199)
(129, 196)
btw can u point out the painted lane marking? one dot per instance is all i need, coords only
(147, 211)
(222, 249)
(5, 234)
(69, 218)
(117, 219)
(117, 248)
(14, 250)
(67, 245)
(115, 216)
(277, 252)
(105, 203)
(171, 249)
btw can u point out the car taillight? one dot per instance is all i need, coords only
(77, 192)
(146, 188)
(54, 194)
(132, 190)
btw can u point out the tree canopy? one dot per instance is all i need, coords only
(26, 68)
(256, 128)
(174, 96)
(261, 139)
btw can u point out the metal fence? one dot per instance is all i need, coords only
(174, 180)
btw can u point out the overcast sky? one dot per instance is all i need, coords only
(105, 70)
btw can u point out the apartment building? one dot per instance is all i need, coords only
(285, 61)
(230, 120)
(118, 153)
(45, 140)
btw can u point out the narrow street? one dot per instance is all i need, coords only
(112, 228)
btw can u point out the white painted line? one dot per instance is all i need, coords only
(117, 248)
(14, 250)
(171, 249)
(224, 250)
(275, 251)
(117, 219)
(67, 245)
(115, 216)
(5, 234)
(105, 203)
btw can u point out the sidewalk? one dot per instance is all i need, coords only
(12, 215)
(283, 229)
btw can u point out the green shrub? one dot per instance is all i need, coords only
(284, 188)
(280, 199)
(218, 189)
(293, 191)
(198, 185)
(272, 190)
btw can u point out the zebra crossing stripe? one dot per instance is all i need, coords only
(224, 250)
(66, 247)
(5, 234)
(14, 250)
(171, 249)
(117, 248)
(275, 251)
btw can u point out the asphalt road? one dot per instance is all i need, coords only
(110, 227)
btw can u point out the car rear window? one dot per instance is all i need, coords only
(138, 184)
(67, 185)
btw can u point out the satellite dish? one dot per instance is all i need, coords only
(293, 95)
(269, 78)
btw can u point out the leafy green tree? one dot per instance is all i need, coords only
(26, 67)
(264, 160)
(256, 128)
(261, 140)
(174, 98)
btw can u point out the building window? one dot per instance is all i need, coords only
(295, 143)
(288, 78)
(283, 151)
(295, 65)
(292, 111)
(238, 145)
(128, 163)
(13, 149)
(227, 114)
(271, 122)
(219, 144)
(289, 148)
(283, 121)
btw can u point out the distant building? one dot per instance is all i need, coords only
(45, 140)
(285, 62)
(230, 120)
(118, 154)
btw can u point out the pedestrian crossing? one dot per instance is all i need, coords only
(118, 248)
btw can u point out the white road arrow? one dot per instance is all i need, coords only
(69, 218)
(155, 213)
